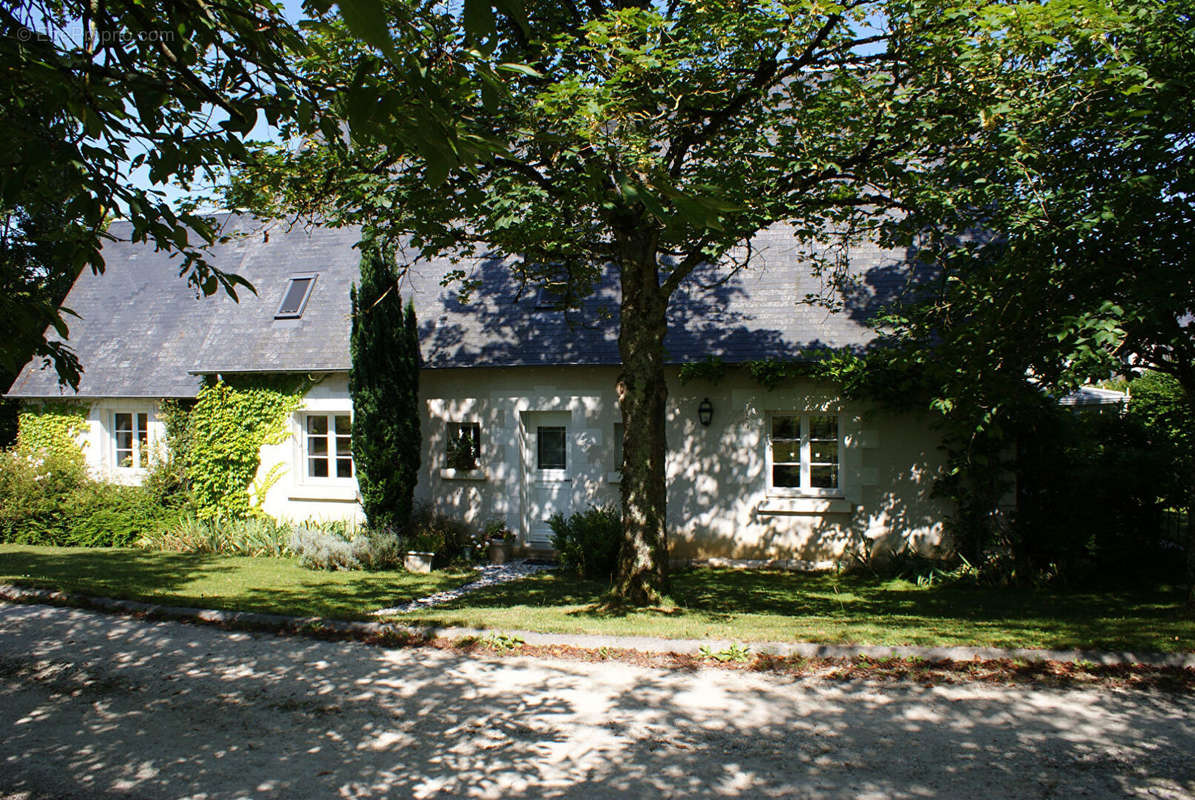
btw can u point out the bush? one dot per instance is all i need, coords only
(48, 500)
(326, 548)
(450, 539)
(587, 543)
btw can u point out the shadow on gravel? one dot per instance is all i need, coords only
(100, 706)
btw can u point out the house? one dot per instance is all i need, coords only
(791, 473)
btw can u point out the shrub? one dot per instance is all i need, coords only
(47, 499)
(103, 515)
(452, 540)
(326, 548)
(319, 549)
(587, 543)
(32, 487)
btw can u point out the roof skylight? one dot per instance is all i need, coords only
(294, 300)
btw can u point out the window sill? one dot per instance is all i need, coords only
(614, 477)
(463, 475)
(327, 493)
(804, 505)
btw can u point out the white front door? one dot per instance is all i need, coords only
(547, 472)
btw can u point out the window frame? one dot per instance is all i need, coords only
(290, 279)
(135, 415)
(806, 456)
(333, 454)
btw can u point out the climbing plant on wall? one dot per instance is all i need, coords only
(229, 425)
(52, 428)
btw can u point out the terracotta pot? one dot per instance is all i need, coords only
(500, 551)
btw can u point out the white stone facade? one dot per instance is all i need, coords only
(721, 503)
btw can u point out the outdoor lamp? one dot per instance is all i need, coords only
(705, 412)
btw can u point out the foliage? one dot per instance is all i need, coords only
(166, 479)
(95, 94)
(229, 427)
(30, 271)
(496, 531)
(735, 652)
(1090, 499)
(322, 548)
(254, 536)
(384, 386)
(1165, 421)
(32, 487)
(1059, 228)
(48, 499)
(587, 542)
(452, 540)
(710, 368)
(52, 428)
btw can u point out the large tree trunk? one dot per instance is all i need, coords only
(642, 572)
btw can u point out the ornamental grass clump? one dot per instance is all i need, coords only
(253, 536)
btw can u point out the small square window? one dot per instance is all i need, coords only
(464, 445)
(294, 299)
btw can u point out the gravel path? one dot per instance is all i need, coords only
(102, 706)
(490, 575)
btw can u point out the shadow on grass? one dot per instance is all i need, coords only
(271, 585)
(853, 608)
(112, 572)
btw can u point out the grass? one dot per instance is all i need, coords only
(775, 606)
(707, 603)
(274, 585)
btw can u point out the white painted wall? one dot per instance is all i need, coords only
(719, 504)
(290, 493)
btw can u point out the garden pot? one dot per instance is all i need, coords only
(500, 551)
(418, 562)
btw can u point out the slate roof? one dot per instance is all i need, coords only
(143, 332)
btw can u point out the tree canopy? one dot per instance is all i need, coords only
(95, 91)
(643, 138)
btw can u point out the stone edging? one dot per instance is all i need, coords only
(281, 623)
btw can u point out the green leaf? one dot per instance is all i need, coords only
(368, 21)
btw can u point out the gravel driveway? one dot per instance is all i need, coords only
(103, 706)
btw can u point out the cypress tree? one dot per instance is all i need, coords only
(384, 386)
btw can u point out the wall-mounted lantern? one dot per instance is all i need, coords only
(705, 412)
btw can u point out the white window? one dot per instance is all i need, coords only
(131, 439)
(803, 453)
(464, 445)
(328, 445)
(618, 436)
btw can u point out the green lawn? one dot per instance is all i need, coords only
(775, 606)
(729, 604)
(276, 585)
